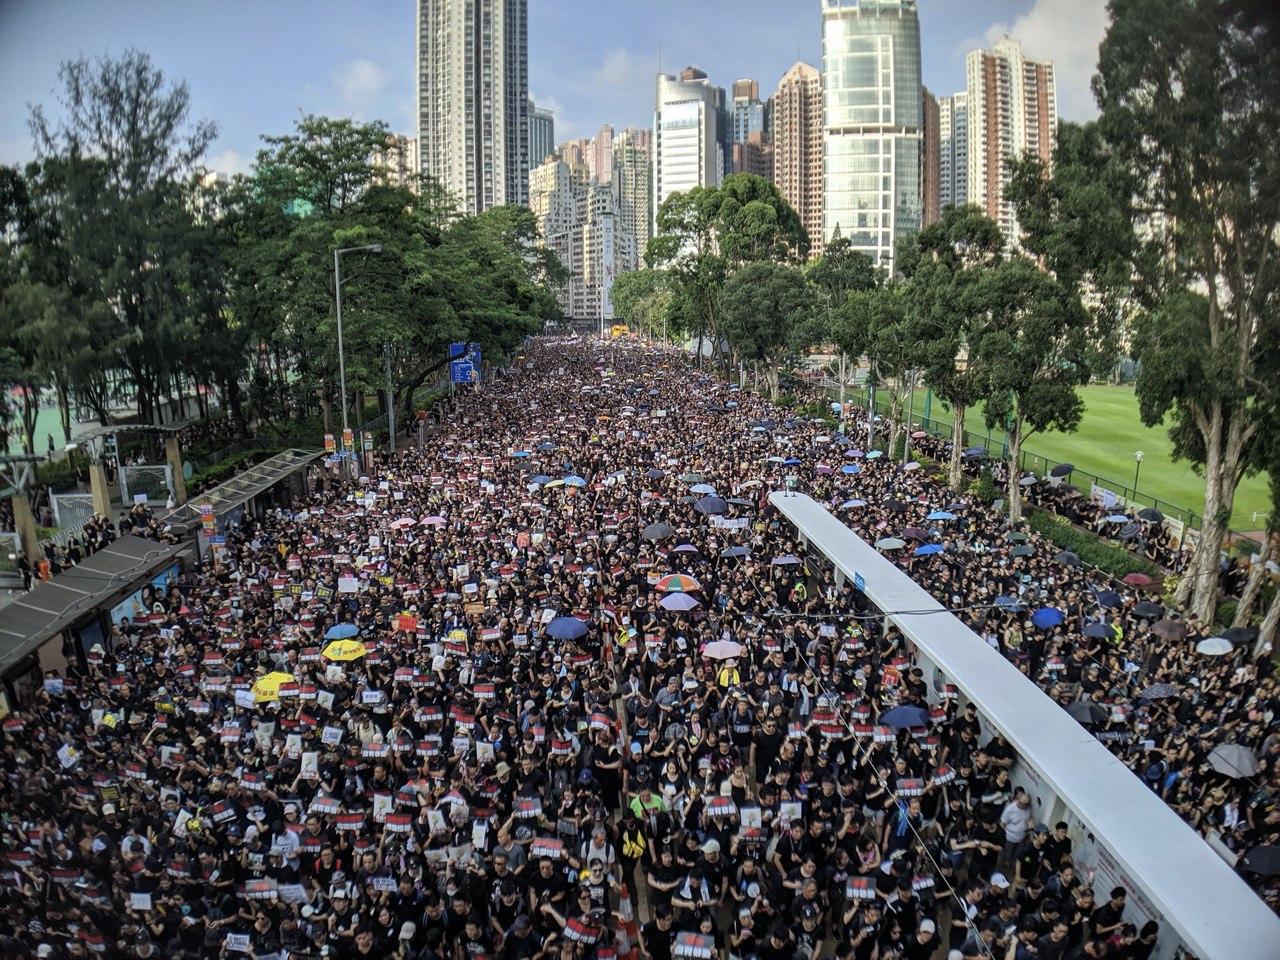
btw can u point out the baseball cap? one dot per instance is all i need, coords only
(927, 926)
(1000, 880)
(408, 930)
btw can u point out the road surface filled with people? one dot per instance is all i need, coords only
(559, 683)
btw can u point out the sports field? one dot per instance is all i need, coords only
(1105, 443)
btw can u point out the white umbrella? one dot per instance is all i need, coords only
(1214, 646)
(722, 650)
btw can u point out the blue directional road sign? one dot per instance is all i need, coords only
(463, 371)
(457, 350)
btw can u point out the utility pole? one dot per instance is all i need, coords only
(342, 358)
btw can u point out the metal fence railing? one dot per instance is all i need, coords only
(70, 509)
(1107, 490)
(154, 481)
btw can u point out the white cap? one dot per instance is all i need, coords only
(927, 926)
(1000, 880)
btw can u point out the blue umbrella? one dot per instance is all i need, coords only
(734, 552)
(1109, 598)
(790, 462)
(1047, 617)
(940, 515)
(702, 488)
(848, 504)
(928, 549)
(976, 452)
(1099, 631)
(711, 505)
(1008, 603)
(875, 454)
(541, 478)
(653, 473)
(900, 718)
(854, 453)
(851, 469)
(520, 454)
(341, 631)
(546, 446)
(1117, 518)
(566, 628)
(574, 481)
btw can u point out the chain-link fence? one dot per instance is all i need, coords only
(10, 551)
(154, 481)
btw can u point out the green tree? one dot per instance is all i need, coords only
(840, 271)
(946, 269)
(1038, 346)
(873, 324)
(766, 306)
(1190, 104)
(643, 300)
(116, 165)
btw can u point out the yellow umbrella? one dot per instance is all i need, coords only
(344, 650)
(553, 484)
(267, 687)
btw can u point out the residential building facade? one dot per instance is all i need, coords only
(397, 162)
(582, 222)
(747, 112)
(473, 99)
(930, 160)
(953, 150)
(1013, 111)
(797, 145)
(632, 178)
(872, 105)
(542, 134)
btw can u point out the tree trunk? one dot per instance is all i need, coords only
(1013, 489)
(957, 445)
(64, 408)
(1204, 563)
(1253, 586)
(1267, 634)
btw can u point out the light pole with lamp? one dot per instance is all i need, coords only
(342, 357)
(1137, 467)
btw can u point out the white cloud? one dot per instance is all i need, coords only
(229, 162)
(359, 81)
(1068, 33)
(619, 69)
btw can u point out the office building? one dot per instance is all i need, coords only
(953, 150)
(747, 112)
(691, 142)
(930, 159)
(542, 134)
(473, 99)
(797, 145)
(1013, 111)
(872, 99)
(632, 178)
(396, 163)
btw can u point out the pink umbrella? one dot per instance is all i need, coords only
(432, 521)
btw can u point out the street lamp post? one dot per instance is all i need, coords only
(1137, 467)
(342, 357)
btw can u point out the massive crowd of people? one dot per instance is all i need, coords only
(561, 684)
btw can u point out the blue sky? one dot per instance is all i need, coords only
(254, 66)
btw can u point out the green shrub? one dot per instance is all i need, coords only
(984, 488)
(224, 470)
(1110, 558)
(61, 474)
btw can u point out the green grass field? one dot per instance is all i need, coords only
(1104, 445)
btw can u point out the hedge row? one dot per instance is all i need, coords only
(1110, 558)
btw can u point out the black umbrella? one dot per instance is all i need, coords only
(1264, 861)
(1067, 559)
(1148, 610)
(1099, 631)
(1109, 598)
(711, 506)
(1172, 630)
(1022, 550)
(1062, 469)
(1240, 635)
(657, 531)
(1087, 713)
(1151, 515)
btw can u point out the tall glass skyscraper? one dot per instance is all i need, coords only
(871, 123)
